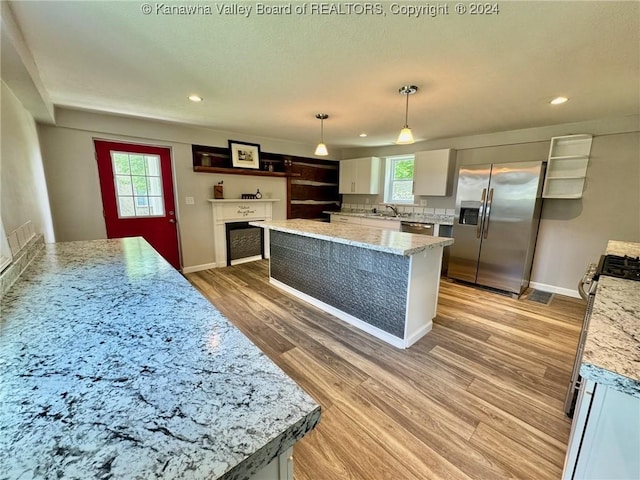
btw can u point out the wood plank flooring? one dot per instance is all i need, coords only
(479, 397)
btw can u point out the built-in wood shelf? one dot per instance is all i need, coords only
(243, 171)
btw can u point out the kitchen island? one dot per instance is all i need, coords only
(605, 433)
(383, 282)
(113, 366)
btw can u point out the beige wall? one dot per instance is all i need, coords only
(72, 175)
(572, 233)
(23, 190)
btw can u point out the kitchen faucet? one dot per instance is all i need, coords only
(394, 209)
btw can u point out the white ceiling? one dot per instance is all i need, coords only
(269, 75)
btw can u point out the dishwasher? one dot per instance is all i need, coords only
(428, 229)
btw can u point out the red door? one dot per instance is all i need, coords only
(137, 195)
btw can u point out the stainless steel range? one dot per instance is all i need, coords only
(625, 267)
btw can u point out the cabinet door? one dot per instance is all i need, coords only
(611, 440)
(367, 175)
(346, 182)
(432, 172)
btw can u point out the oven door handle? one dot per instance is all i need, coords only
(581, 291)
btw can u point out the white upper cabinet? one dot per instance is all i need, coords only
(567, 167)
(432, 172)
(360, 175)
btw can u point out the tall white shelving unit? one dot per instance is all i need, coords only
(567, 166)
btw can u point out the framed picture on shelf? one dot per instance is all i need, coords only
(244, 155)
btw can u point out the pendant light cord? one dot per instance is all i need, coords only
(406, 112)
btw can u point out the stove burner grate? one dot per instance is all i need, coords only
(620, 267)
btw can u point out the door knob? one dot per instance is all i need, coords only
(171, 220)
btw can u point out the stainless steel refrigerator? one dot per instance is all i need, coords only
(496, 224)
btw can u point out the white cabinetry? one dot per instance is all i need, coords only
(605, 435)
(280, 468)
(567, 167)
(345, 219)
(360, 175)
(379, 223)
(432, 172)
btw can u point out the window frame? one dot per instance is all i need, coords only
(388, 179)
(131, 176)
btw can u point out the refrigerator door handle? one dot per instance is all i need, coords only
(488, 214)
(479, 229)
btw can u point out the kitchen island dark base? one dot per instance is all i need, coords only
(392, 297)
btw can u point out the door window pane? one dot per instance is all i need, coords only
(156, 206)
(137, 163)
(139, 185)
(121, 163)
(124, 185)
(153, 165)
(125, 207)
(138, 182)
(154, 186)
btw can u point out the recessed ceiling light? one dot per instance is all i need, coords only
(195, 98)
(558, 100)
(363, 135)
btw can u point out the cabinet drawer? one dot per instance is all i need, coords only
(345, 219)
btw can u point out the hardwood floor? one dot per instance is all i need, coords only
(479, 397)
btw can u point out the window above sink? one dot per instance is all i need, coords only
(398, 180)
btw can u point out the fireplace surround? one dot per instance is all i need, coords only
(229, 211)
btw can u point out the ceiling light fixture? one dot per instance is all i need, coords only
(363, 135)
(195, 98)
(406, 137)
(321, 149)
(559, 100)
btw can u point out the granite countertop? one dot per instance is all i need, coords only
(441, 219)
(612, 349)
(114, 366)
(397, 243)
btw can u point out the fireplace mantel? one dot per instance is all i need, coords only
(237, 210)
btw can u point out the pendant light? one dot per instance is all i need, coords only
(406, 137)
(321, 149)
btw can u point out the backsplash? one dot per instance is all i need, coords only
(408, 209)
(21, 260)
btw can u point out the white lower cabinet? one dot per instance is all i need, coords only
(345, 219)
(605, 435)
(379, 223)
(280, 468)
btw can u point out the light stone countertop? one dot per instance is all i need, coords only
(113, 366)
(397, 243)
(616, 247)
(612, 349)
(441, 219)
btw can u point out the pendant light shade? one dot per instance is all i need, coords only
(321, 149)
(406, 137)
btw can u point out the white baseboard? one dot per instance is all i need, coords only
(350, 319)
(198, 268)
(246, 260)
(417, 335)
(553, 289)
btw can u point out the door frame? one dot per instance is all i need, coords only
(173, 182)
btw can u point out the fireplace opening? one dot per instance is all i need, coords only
(245, 243)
